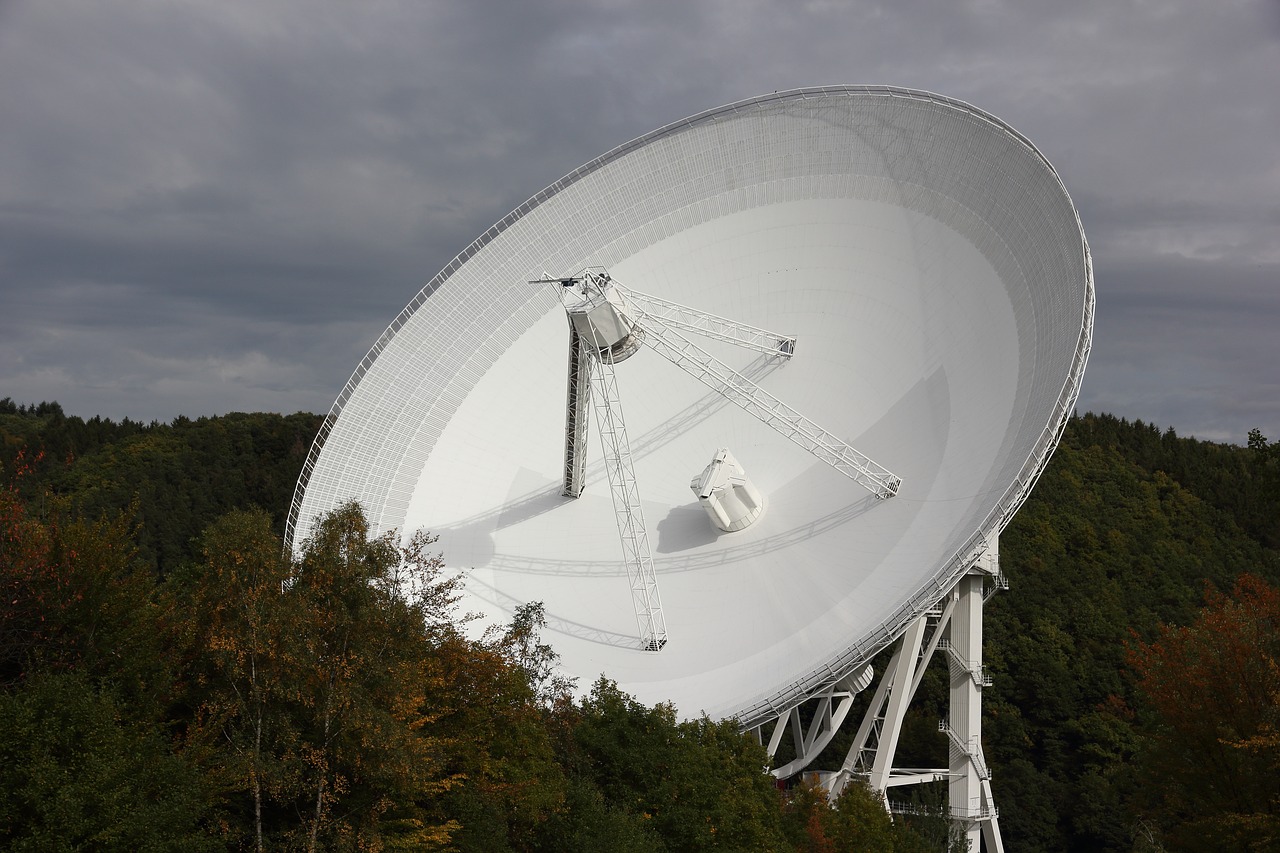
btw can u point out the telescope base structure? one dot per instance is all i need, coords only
(952, 628)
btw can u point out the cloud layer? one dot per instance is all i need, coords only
(208, 207)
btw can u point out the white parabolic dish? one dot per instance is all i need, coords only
(933, 270)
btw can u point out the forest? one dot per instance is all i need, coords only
(169, 680)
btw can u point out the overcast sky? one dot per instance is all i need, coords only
(218, 206)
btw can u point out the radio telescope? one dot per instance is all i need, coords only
(901, 268)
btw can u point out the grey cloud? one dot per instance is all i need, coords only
(207, 207)
(1189, 344)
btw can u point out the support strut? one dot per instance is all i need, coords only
(954, 628)
(626, 501)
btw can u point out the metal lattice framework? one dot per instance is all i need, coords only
(575, 420)
(655, 322)
(942, 266)
(673, 315)
(771, 411)
(593, 377)
(953, 627)
(629, 515)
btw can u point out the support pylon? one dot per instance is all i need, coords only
(954, 628)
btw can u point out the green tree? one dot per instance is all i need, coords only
(491, 703)
(75, 774)
(308, 678)
(371, 609)
(701, 783)
(1118, 538)
(77, 598)
(244, 666)
(857, 820)
(179, 477)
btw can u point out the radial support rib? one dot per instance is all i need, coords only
(626, 501)
(718, 376)
(575, 422)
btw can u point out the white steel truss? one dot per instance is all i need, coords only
(575, 420)
(753, 399)
(626, 499)
(593, 383)
(675, 315)
(834, 704)
(953, 627)
(969, 788)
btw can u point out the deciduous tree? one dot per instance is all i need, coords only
(1209, 696)
(371, 609)
(245, 665)
(77, 774)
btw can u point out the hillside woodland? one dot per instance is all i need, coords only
(169, 680)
